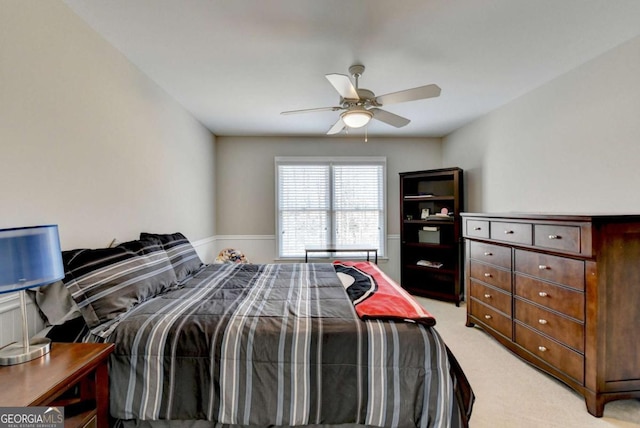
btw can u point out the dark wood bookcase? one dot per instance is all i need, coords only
(431, 245)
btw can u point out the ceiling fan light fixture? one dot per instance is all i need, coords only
(356, 117)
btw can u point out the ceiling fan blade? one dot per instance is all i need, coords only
(343, 85)
(389, 118)
(337, 127)
(311, 110)
(419, 93)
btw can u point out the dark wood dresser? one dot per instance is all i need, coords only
(563, 293)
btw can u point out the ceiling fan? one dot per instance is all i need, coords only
(361, 105)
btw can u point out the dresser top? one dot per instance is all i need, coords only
(591, 217)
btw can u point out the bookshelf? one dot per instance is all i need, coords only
(431, 234)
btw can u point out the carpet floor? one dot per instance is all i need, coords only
(511, 393)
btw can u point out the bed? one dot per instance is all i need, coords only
(258, 344)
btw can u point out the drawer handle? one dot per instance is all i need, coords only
(488, 317)
(542, 349)
(477, 228)
(487, 296)
(487, 275)
(488, 254)
(542, 321)
(543, 267)
(554, 236)
(542, 294)
(508, 232)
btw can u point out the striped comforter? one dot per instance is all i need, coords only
(277, 344)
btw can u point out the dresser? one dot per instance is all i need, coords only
(563, 293)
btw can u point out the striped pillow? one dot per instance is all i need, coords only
(107, 282)
(183, 256)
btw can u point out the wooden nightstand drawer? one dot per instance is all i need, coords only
(563, 300)
(493, 254)
(566, 360)
(491, 296)
(489, 317)
(560, 270)
(570, 333)
(564, 238)
(491, 275)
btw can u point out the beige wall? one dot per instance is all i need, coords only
(572, 145)
(245, 197)
(88, 141)
(245, 171)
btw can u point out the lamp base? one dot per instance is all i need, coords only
(15, 353)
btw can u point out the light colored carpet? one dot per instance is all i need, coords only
(510, 393)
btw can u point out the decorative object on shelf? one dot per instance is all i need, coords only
(429, 235)
(425, 214)
(29, 257)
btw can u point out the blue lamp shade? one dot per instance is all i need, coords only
(29, 257)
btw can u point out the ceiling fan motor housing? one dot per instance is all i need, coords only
(366, 98)
(356, 70)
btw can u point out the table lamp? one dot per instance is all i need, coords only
(29, 257)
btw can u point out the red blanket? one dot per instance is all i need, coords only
(376, 296)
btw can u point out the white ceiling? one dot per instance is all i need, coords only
(236, 64)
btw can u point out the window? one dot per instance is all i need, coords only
(330, 201)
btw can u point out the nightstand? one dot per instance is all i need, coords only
(73, 375)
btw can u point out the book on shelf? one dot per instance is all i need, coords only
(428, 263)
(419, 196)
(440, 217)
(431, 228)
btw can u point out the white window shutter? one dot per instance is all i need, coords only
(337, 201)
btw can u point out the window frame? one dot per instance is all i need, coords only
(330, 162)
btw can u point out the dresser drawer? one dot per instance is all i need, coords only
(563, 300)
(561, 270)
(491, 318)
(491, 296)
(490, 274)
(557, 355)
(517, 233)
(477, 228)
(564, 330)
(493, 254)
(557, 237)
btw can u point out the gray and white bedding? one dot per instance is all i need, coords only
(268, 345)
